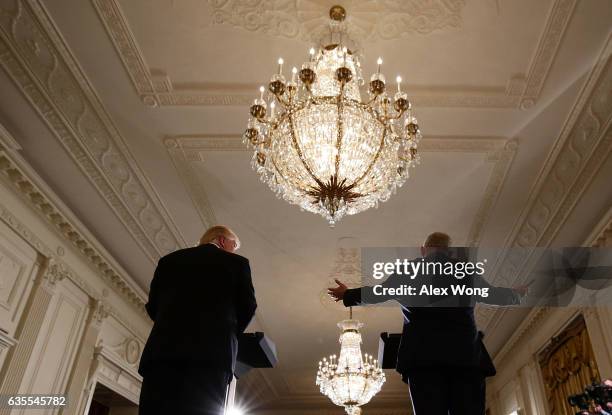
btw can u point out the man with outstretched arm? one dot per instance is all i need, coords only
(441, 354)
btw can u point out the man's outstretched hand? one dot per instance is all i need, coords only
(523, 290)
(337, 293)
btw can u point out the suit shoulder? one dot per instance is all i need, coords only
(235, 257)
(176, 254)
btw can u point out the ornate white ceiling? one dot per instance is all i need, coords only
(133, 110)
(520, 65)
(368, 20)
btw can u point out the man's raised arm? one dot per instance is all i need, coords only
(354, 296)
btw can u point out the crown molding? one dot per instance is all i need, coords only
(582, 147)
(181, 159)
(601, 236)
(6, 341)
(503, 161)
(7, 140)
(598, 238)
(43, 68)
(521, 91)
(60, 270)
(24, 181)
(366, 20)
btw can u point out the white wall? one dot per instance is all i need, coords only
(69, 315)
(518, 383)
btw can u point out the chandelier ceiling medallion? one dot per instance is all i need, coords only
(350, 380)
(318, 145)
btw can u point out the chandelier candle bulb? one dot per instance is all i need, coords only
(280, 65)
(399, 83)
(379, 62)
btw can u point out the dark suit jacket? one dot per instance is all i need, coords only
(437, 336)
(200, 299)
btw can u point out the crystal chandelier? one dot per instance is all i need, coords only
(350, 380)
(318, 145)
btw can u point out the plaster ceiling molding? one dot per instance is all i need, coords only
(368, 20)
(597, 239)
(13, 172)
(346, 267)
(7, 140)
(34, 54)
(602, 234)
(546, 51)
(503, 161)
(186, 150)
(583, 146)
(462, 99)
(526, 330)
(374, 19)
(182, 157)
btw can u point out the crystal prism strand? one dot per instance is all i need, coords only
(326, 85)
(287, 159)
(350, 346)
(316, 133)
(350, 360)
(358, 144)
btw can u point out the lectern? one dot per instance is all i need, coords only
(388, 346)
(255, 350)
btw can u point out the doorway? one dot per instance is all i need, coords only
(108, 402)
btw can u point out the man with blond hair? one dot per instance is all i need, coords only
(441, 354)
(200, 300)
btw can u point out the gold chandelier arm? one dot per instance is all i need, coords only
(281, 101)
(278, 170)
(365, 386)
(371, 100)
(398, 116)
(376, 156)
(385, 106)
(258, 142)
(268, 122)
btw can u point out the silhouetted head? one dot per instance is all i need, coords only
(222, 236)
(437, 241)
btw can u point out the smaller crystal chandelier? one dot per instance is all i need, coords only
(350, 380)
